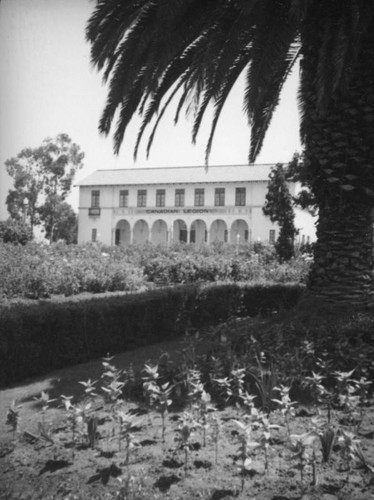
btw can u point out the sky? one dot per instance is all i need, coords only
(49, 86)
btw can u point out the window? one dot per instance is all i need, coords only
(246, 235)
(219, 197)
(95, 199)
(142, 197)
(199, 197)
(272, 236)
(240, 197)
(179, 197)
(160, 198)
(123, 198)
(94, 235)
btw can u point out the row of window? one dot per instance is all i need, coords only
(199, 197)
(183, 236)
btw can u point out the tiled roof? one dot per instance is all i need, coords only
(177, 175)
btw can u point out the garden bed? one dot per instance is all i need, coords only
(205, 425)
(42, 469)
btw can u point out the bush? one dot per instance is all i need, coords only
(39, 271)
(15, 231)
(37, 337)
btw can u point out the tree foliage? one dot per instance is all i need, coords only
(59, 220)
(279, 208)
(296, 171)
(153, 52)
(42, 178)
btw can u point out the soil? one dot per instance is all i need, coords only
(44, 462)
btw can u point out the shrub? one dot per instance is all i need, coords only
(38, 271)
(50, 334)
(15, 231)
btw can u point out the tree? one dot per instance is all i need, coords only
(295, 171)
(15, 231)
(59, 220)
(279, 208)
(152, 52)
(43, 178)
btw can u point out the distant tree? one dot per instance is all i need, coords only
(42, 176)
(296, 171)
(15, 231)
(279, 208)
(59, 220)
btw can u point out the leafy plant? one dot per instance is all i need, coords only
(350, 446)
(327, 435)
(318, 391)
(112, 386)
(89, 389)
(204, 408)
(265, 439)
(184, 434)
(265, 378)
(45, 404)
(248, 402)
(223, 388)
(158, 396)
(362, 386)
(216, 433)
(285, 404)
(13, 417)
(127, 424)
(328, 439)
(195, 387)
(237, 384)
(244, 450)
(300, 444)
(80, 418)
(163, 401)
(71, 419)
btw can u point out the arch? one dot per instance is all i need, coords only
(141, 232)
(239, 232)
(123, 233)
(218, 231)
(198, 232)
(179, 231)
(159, 233)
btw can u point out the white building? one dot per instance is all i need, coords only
(190, 204)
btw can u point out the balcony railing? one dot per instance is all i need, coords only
(94, 212)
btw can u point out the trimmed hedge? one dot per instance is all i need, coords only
(37, 337)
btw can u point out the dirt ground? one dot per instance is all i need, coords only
(58, 466)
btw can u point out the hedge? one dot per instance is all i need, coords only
(37, 337)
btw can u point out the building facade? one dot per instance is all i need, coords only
(179, 204)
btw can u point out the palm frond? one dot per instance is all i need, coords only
(225, 90)
(152, 52)
(275, 50)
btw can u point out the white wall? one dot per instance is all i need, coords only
(111, 215)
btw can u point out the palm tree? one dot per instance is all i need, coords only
(155, 51)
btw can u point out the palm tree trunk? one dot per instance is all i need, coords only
(343, 259)
(339, 156)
